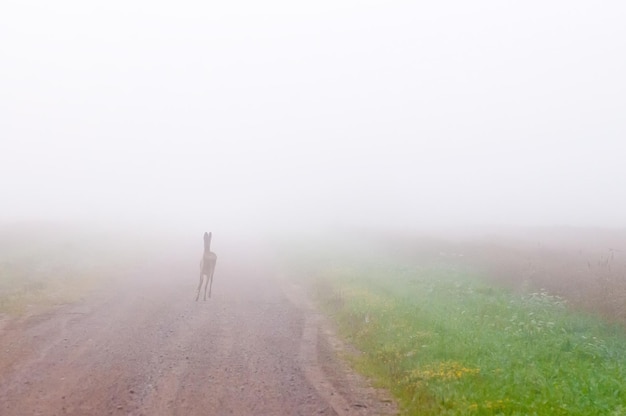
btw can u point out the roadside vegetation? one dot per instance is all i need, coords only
(447, 341)
(46, 265)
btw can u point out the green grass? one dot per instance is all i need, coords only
(446, 343)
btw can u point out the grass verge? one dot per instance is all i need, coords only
(23, 286)
(446, 343)
(45, 265)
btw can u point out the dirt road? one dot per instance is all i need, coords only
(143, 346)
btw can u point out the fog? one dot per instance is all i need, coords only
(290, 115)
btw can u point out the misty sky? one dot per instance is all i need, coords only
(302, 113)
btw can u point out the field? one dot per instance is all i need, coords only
(511, 325)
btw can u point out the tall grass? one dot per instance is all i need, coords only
(445, 342)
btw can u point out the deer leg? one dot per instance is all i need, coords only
(206, 285)
(211, 280)
(200, 285)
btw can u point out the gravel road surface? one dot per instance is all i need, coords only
(143, 346)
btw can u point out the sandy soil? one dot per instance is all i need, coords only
(143, 346)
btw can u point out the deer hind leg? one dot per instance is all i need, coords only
(210, 278)
(206, 284)
(200, 285)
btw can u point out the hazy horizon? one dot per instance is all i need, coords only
(284, 115)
